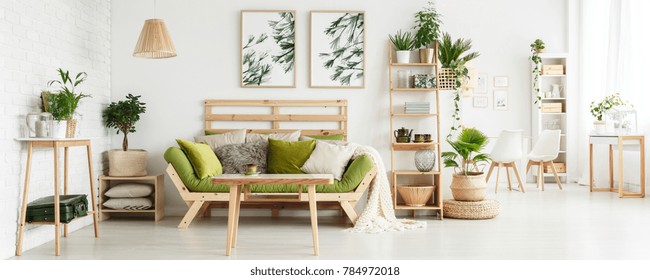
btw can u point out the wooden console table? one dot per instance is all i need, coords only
(55, 144)
(620, 141)
(237, 181)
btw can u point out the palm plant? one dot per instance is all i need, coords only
(427, 24)
(402, 41)
(467, 147)
(451, 53)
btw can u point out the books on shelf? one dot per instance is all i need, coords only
(417, 107)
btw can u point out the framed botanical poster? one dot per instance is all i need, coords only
(480, 101)
(481, 83)
(500, 100)
(337, 42)
(268, 48)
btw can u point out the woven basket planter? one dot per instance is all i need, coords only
(471, 210)
(71, 128)
(468, 188)
(415, 195)
(446, 79)
(129, 163)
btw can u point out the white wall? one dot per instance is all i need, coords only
(206, 35)
(36, 38)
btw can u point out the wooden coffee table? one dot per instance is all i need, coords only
(239, 181)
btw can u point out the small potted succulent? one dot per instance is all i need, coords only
(63, 103)
(427, 31)
(122, 116)
(467, 185)
(403, 43)
(598, 110)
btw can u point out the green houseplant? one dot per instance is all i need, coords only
(467, 185)
(63, 102)
(599, 109)
(122, 116)
(536, 48)
(403, 43)
(454, 56)
(427, 31)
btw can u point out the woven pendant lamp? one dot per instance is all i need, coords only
(154, 41)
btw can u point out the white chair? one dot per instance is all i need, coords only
(545, 151)
(506, 151)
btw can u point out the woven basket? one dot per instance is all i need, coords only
(471, 210)
(127, 164)
(446, 79)
(416, 195)
(468, 188)
(71, 128)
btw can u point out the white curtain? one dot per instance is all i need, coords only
(614, 56)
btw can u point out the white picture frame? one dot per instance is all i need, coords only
(268, 49)
(500, 100)
(480, 101)
(481, 83)
(500, 81)
(325, 63)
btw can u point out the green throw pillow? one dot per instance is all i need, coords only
(203, 159)
(287, 157)
(327, 137)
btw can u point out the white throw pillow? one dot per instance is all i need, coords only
(328, 159)
(129, 190)
(291, 137)
(216, 140)
(337, 142)
(141, 203)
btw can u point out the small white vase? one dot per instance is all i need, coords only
(59, 129)
(403, 56)
(600, 127)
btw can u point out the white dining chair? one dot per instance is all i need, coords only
(544, 152)
(506, 152)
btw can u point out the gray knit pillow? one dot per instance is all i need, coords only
(234, 157)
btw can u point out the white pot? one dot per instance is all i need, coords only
(127, 163)
(600, 127)
(59, 129)
(403, 56)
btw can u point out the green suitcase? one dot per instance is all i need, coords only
(71, 206)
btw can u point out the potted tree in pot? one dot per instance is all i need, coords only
(427, 26)
(122, 116)
(598, 110)
(403, 43)
(467, 185)
(63, 103)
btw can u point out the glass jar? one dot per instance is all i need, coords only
(39, 125)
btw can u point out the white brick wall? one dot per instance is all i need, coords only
(36, 38)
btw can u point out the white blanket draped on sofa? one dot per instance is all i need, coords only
(379, 215)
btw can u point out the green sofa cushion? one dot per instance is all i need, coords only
(287, 157)
(338, 137)
(354, 174)
(204, 162)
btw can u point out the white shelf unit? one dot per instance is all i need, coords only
(547, 120)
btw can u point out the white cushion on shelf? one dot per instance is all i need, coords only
(127, 190)
(141, 203)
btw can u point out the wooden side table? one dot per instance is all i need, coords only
(620, 141)
(158, 195)
(55, 144)
(236, 181)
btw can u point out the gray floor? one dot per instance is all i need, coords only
(569, 224)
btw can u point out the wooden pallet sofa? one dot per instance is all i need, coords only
(201, 195)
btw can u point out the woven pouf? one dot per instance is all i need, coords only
(471, 210)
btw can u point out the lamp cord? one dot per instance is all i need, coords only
(154, 8)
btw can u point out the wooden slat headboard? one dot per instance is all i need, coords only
(276, 117)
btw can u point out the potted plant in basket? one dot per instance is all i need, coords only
(122, 116)
(427, 26)
(536, 48)
(599, 109)
(63, 103)
(467, 185)
(403, 43)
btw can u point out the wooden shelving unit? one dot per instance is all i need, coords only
(399, 149)
(157, 197)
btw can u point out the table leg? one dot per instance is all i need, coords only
(231, 218)
(91, 174)
(591, 167)
(314, 218)
(611, 168)
(23, 209)
(620, 167)
(65, 183)
(57, 210)
(236, 223)
(642, 171)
